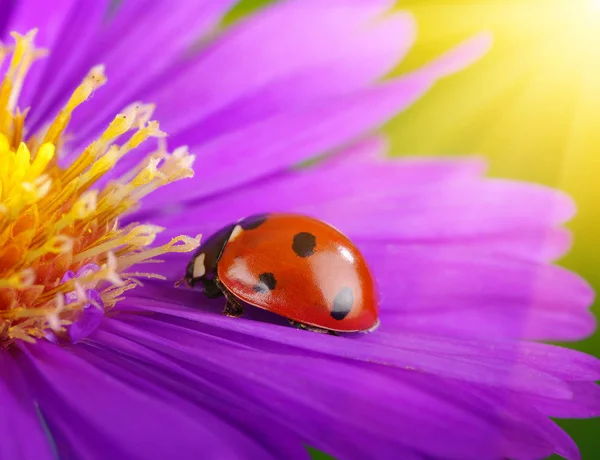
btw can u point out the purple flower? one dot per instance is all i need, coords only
(463, 262)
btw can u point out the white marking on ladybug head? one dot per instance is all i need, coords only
(235, 232)
(199, 268)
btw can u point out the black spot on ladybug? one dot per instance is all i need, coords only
(342, 304)
(304, 244)
(266, 283)
(252, 222)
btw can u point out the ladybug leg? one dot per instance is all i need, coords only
(233, 308)
(211, 289)
(307, 327)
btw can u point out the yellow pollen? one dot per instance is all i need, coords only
(54, 220)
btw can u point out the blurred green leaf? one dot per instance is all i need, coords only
(244, 8)
(318, 455)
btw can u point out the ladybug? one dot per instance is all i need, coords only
(293, 265)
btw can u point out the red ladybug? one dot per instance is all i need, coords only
(292, 265)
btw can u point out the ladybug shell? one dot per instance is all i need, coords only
(302, 269)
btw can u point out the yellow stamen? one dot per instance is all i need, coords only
(54, 219)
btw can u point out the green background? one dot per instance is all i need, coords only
(531, 106)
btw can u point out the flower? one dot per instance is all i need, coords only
(160, 373)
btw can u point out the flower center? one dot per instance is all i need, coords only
(62, 250)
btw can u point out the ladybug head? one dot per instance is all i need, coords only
(189, 277)
(202, 267)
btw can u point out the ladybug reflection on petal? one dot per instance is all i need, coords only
(293, 265)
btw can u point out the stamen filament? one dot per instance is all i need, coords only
(55, 221)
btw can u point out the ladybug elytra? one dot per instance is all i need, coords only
(293, 265)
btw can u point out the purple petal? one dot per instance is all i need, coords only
(303, 132)
(443, 289)
(69, 275)
(300, 135)
(518, 322)
(209, 394)
(66, 30)
(21, 423)
(369, 197)
(585, 402)
(89, 318)
(5, 15)
(462, 209)
(519, 443)
(564, 363)
(87, 408)
(396, 410)
(175, 27)
(433, 209)
(361, 170)
(26, 15)
(342, 43)
(449, 290)
(87, 269)
(343, 54)
(480, 370)
(460, 57)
